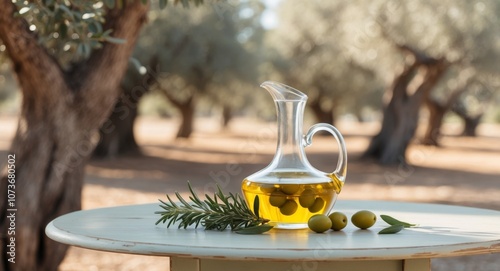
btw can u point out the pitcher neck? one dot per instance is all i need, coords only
(290, 147)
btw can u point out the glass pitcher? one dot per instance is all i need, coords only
(290, 190)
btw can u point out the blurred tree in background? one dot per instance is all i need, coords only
(460, 38)
(308, 51)
(116, 135)
(442, 54)
(209, 53)
(69, 65)
(202, 53)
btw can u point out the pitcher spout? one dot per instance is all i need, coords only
(282, 92)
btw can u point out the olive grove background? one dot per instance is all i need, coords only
(77, 74)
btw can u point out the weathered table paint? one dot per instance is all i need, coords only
(444, 231)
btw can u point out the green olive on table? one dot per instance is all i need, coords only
(339, 220)
(363, 219)
(319, 223)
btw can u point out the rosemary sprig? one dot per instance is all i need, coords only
(213, 213)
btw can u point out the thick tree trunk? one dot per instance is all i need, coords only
(401, 114)
(57, 130)
(187, 111)
(226, 116)
(117, 133)
(388, 145)
(470, 122)
(436, 116)
(437, 110)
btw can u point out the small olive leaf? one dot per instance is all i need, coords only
(114, 40)
(95, 27)
(392, 221)
(255, 229)
(256, 205)
(392, 229)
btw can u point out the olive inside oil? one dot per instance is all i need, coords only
(290, 205)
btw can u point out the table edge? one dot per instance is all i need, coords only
(68, 238)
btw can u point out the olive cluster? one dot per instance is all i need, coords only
(337, 221)
(283, 198)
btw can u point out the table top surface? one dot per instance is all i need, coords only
(443, 231)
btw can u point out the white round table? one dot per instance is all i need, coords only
(443, 231)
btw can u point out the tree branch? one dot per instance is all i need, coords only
(97, 80)
(419, 56)
(171, 98)
(464, 79)
(34, 66)
(432, 76)
(400, 83)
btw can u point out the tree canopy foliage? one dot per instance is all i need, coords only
(310, 53)
(71, 30)
(201, 52)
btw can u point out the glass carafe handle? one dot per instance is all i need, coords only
(341, 169)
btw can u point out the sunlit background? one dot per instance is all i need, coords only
(191, 102)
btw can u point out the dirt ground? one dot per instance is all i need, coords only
(464, 171)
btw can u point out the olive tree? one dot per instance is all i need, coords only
(200, 53)
(310, 55)
(69, 87)
(412, 46)
(433, 37)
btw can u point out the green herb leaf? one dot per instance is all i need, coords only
(392, 221)
(217, 212)
(256, 206)
(392, 229)
(254, 230)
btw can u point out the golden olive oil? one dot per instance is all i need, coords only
(290, 205)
